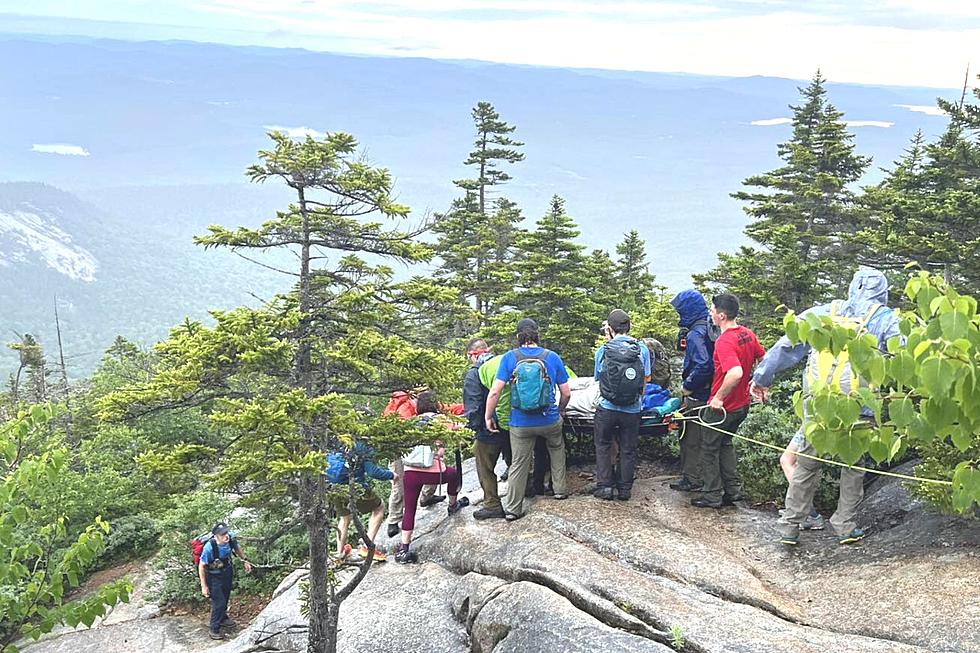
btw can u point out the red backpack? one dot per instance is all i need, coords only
(197, 547)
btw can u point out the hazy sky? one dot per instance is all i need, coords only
(904, 42)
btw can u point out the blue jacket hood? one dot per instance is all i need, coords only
(869, 286)
(690, 306)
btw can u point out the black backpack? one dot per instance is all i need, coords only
(621, 379)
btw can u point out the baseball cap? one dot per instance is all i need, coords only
(618, 320)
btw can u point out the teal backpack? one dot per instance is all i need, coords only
(531, 389)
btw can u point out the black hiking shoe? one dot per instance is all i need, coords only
(217, 635)
(729, 500)
(406, 557)
(704, 503)
(393, 529)
(604, 493)
(684, 485)
(624, 495)
(488, 513)
(459, 505)
(431, 501)
(229, 623)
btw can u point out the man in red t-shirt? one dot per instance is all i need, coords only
(736, 352)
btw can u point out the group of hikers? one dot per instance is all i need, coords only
(515, 403)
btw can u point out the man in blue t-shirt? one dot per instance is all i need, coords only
(216, 575)
(537, 419)
(619, 423)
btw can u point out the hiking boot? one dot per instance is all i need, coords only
(624, 495)
(790, 540)
(813, 523)
(559, 496)
(684, 485)
(431, 501)
(345, 554)
(509, 516)
(505, 475)
(393, 529)
(548, 491)
(604, 493)
(852, 537)
(704, 503)
(530, 491)
(217, 635)
(229, 623)
(406, 557)
(459, 505)
(379, 555)
(488, 513)
(729, 500)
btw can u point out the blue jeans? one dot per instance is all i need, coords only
(219, 589)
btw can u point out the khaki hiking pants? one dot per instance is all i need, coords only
(396, 500)
(799, 496)
(522, 446)
(691, 445)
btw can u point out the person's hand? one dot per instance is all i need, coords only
(716, 404)
(492, 425)
(685, 392)
(248, 567)
(759, 392)
(205, 592)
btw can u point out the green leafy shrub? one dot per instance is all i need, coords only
(758, 466)
(133, 536)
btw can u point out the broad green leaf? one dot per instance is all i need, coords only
(955, 325)
(852, 444)
(940, 412)
(902, 368)
(963, 436)
(936, 375)
(901, 412)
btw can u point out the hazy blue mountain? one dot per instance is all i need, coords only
(164, 131)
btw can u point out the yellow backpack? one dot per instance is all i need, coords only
(824, 368)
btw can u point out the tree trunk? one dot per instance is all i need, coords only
(322, 636)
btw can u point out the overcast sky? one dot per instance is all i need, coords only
(902, 42)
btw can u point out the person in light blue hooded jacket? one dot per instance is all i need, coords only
(698, 346)
(867, 299)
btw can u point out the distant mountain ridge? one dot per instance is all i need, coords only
(155, 138)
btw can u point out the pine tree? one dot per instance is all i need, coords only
(285, 379)
(476, 234)
(553, 286)
(927, 211)
(800, 214)
(633, 279)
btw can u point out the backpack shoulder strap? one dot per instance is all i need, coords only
(867, 318)
(214, 549)
(834, 309)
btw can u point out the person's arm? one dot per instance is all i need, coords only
(202, 572)
(732, 377)
(702, 367)
(566, 395)
(374, 470)
(474, 395)
(241, 554)
(492, 399)
(598, 362)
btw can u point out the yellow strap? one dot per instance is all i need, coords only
(879, 472)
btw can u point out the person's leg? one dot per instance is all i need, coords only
(413, 482)
(727, 459)
(396, 502)
(787, 459)
(485, 455)
(851, 494)
(541, 464)
(219, 602)
(799, 495)
(522, 444)
(556, 454)
(710, 465)
(691, 451)
(629, 436)
(603, 438)
(453, 485)
(343, 526)
(374, 524)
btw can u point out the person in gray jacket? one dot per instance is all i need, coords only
(866, 304)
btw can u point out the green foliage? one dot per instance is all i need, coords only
(42, 560)
(924, 391)
(677, 639)
(763, 480)
(131, 537)
(799, 213)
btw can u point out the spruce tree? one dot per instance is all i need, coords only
(477, 233)
(927, 211)
(633, 280)
(800, 214)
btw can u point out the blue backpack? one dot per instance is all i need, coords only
(337, 468)
(531, 389)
